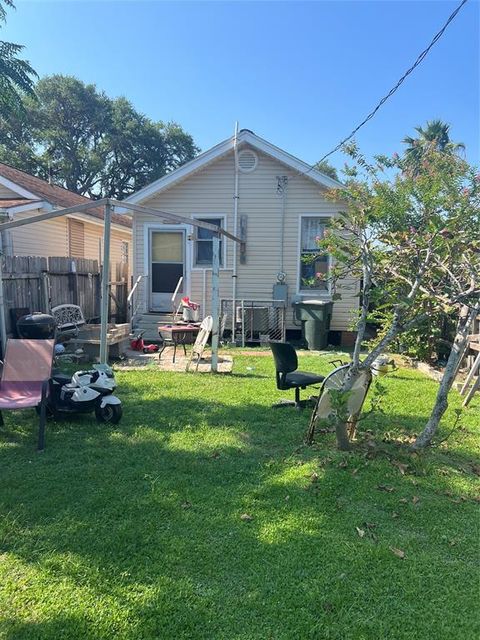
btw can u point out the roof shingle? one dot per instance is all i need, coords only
(55, 195)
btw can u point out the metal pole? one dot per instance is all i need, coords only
(3, 325)
(243, 325)
(215, 300)
(105, 285)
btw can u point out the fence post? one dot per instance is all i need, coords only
(73, 281)
(3, 324)
(215, 300)
(45, 292)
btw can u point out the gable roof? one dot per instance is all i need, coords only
(244, 137)
(32, 189)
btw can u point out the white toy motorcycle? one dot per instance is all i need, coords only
(84, 392)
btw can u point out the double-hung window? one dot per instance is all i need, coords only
(203, 250)
(313, 267)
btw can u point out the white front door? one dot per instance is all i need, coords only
(167, 266)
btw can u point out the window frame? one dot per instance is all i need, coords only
(310, 291)
(223, 241)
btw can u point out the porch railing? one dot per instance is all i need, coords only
(133, 298)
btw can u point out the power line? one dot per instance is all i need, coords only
(417, 62)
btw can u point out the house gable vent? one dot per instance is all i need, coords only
(247, 161)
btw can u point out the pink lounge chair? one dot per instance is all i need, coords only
(27, 369)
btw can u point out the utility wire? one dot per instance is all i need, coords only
(417, 62)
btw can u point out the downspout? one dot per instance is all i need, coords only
(235, 229)
(282, 184)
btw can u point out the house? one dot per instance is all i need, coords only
(274, 202)
(75, 235)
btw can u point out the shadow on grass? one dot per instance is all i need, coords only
(149, 514)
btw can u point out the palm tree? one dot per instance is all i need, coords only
(16, 75)
(436, 135)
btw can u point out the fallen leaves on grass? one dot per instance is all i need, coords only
(367, 529)
(384, 487)
(186, 505)
(415, 499)
(400, 466)
(398, 552)
(246, 517)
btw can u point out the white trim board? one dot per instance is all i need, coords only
(245, 137)
(13, 186)
(31, 206)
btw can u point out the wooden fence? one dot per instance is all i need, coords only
(37, 284)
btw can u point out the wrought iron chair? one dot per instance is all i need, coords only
(287, 374)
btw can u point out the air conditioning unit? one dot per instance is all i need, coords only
(255, 320)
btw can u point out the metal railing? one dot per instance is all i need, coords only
(254, 321)
(175, 307)
(133, 299)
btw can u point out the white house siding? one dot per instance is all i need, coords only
(50, 238)
(94, 243)
(47, 238)
(211, 190)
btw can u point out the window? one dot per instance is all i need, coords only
(204, 244)
(313, 272)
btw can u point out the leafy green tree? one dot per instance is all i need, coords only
(325, 167)
(140, 151)
(436, 135)
(91, 144)
(16, 75)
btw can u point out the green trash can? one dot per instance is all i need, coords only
(315, 316)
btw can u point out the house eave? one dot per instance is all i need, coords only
(17, 189)
(244, 138)
(30, 206)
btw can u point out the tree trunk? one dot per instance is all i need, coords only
(341, 432)
(465, 320)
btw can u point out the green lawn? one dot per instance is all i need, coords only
(137, 531)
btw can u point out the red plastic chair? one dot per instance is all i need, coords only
(27, 369)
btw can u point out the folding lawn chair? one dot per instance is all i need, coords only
(200, 342)
(323, 408)
(27, 369)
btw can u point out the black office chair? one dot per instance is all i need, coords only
(286, 363)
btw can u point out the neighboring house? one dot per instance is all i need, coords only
(76, 235)
(281, 209)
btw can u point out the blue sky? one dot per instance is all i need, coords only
(301, 74)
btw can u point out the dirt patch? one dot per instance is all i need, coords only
(137, 361)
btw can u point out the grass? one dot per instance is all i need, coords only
(136, 532)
